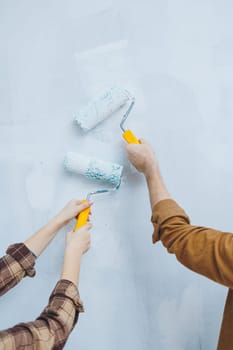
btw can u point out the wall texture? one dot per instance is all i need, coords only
(176, 56)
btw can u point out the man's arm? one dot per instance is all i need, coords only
(143, 158)
(206, 251)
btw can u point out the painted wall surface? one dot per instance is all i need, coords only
(176, 56)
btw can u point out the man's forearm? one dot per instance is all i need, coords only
(156, 187)
(39, 241)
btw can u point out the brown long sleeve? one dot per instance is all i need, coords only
(204, 250)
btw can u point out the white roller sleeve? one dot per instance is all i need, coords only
(93, 169)
(101, 108)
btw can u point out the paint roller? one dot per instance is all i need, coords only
(93, 169)
(99, 109)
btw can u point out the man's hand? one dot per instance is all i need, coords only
(142, 157)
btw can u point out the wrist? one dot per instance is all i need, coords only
(58, 222)
(151, 170)
(73, 253)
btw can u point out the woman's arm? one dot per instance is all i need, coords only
(39, 241)
(77, 243)
(52, 328)
(17, 263)
(20, 258)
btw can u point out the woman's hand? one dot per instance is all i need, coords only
(39, 241)
(71, 211)
(79, 241)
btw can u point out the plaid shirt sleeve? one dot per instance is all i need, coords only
(52, 328)
(18, 263)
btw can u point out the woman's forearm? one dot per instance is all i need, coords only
(39, 241)
(71, 266)
(77, 243)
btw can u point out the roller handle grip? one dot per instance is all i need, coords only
(82, 217)
(129, 137)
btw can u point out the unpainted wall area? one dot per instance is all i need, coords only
(177, 58)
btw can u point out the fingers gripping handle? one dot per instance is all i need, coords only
(82, 217)
(130, 137)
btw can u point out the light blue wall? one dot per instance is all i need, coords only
(177, 57)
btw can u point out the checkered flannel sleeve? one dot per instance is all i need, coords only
(52, 328)
(16, 264)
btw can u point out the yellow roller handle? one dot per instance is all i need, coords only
(130, 137)
(82, 217)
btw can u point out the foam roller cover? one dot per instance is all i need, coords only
(101, 108)
(93, 169)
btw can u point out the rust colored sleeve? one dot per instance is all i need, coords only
(204, 250)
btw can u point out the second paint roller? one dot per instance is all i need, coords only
(102, 107)
(93, 169)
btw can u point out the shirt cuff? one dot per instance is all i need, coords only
(67, 289)
(23, 256)
(163, 211)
